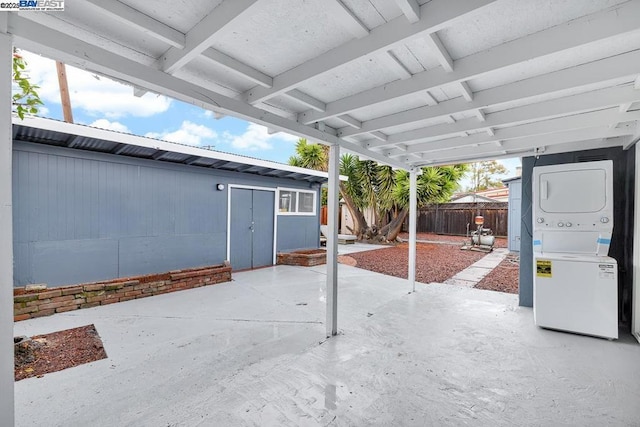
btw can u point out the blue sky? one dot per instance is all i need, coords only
(101, 102)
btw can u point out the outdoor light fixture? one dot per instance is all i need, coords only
(220, 187)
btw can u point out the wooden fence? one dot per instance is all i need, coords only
(323, 215)
(452, 218)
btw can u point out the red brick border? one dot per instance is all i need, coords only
(27, 305)
(304, 258)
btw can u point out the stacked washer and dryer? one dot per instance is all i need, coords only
(575, 287)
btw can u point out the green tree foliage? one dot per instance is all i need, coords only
(380, 188)
(485, 175)
(310, 156)
(434, 185)
(25, 97)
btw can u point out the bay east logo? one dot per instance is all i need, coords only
(33, 5)
(41, 4)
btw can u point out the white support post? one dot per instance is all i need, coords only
(413, 207)
(6, 242)
(332, 240)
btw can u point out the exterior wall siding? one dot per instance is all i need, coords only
(297, 232)
(82, 216)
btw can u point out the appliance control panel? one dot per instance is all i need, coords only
(596, 223)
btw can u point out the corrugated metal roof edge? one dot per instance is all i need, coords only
(160, 145)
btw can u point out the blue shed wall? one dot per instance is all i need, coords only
(299, 231)
(81, 216)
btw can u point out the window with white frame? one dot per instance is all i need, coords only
(296, 202)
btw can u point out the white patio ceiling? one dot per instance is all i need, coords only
(405, 82)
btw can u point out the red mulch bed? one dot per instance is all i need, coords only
(503, 278)
(434, 262)
(437, 262)
(60, 350)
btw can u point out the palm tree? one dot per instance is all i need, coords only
(434, 185)
(352, 192)
(310, 156)
(380, 188)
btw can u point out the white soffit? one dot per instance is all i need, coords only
(178, 14)
(351, 78)
(219, 74)
(276, 35)
(560, 60)
(504, 21)
(444, 82)
(393, 106)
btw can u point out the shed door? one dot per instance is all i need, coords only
(251, 238)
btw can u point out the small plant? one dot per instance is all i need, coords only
(25, 98)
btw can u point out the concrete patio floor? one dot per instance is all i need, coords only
(358, 247)
(253, 352)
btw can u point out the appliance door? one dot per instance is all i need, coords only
(576, 294)
(573, 191)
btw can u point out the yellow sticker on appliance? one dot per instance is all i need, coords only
(543, 268)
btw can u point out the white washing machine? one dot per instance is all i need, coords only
(575, 286)
(576, 293)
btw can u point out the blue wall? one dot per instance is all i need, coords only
(622, 237)
(81, 216)
(298, 232)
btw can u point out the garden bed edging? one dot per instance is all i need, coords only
(303, 257)
(29, 304)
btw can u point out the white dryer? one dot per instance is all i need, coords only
(575, 286)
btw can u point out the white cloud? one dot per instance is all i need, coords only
(256, 137)
(96, 95)
(106, 124)
(43, 111)
(511, 165)
(189, 133)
